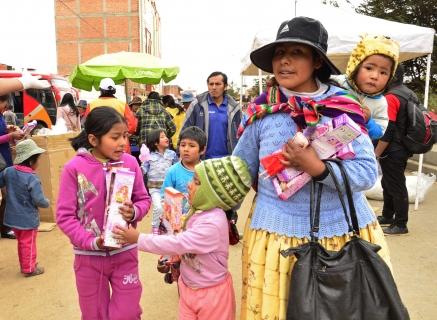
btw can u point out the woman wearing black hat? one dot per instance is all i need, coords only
(298, 60)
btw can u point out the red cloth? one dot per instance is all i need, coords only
(272, 163)
(26, 249)
(393, 105)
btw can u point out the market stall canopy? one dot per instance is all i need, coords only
(136, 66)
(344, 29)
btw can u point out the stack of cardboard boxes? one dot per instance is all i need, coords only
(58, 153)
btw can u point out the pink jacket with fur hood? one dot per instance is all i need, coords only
(81, 201)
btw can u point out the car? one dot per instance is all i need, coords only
(39, 104)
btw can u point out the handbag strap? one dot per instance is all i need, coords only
(315, 210)
(315, 202)
(352, 211)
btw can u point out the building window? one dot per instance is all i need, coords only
(148, 41)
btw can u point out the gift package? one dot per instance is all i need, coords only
(119, 184)
(28, 127)
(331, 139)
(173, 206)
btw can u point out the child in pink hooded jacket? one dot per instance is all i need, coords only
(205, 284)
(80, 214)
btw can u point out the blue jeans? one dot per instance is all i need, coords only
(157, 206)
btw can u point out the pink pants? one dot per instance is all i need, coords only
(99, 276)
(26, 243)
(213, 303)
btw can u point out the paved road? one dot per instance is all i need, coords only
(53, 295)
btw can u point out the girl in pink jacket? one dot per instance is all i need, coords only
(107, 279)
(205, 284)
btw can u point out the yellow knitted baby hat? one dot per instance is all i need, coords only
(370, 45)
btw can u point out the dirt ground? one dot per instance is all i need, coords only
(53, 294)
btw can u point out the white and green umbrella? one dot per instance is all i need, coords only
(136, 66)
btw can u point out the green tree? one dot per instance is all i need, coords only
(233, 91)
(418, 12)
(254, 90)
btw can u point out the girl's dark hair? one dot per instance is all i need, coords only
(68, 99)
(153, 139)
(4, 98)
(195, 134)
(169, 102)
(98, 122)
(31, 160)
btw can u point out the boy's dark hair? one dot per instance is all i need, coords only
(218, 73)
(107, 93)
(398, 77)
(153, 139)
(98, 123)
(153, 95)
(4, 98)
(30, 161)
(195, 134)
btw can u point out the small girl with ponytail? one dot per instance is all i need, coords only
(107, 279)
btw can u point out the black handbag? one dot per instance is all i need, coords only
(351, 284)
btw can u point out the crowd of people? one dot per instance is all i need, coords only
(211, 151)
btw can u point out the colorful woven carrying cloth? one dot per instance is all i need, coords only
(305, 111)
(224, 182)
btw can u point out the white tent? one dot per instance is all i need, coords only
(344, 29)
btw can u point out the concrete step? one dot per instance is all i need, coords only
(429, 161)
(413, 165)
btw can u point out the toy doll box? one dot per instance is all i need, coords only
(173, 204)
(120, 188)
(58, 153)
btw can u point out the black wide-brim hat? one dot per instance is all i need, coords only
(298, 30)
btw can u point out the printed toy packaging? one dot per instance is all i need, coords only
(119, 189)
(172, 223)
(332, 139)
(28, 127)
(173, 204)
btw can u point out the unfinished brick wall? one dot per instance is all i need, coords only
(87, 28)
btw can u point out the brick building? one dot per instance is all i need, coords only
(87, 28)
(173, 89)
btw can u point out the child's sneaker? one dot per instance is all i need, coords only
(38, 270)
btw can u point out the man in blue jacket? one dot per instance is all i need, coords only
(217, 114)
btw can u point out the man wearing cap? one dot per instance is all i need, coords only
(107, 99)
(216, 113)
(187, 98)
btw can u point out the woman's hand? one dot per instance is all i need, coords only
(302, 158)
(127, 210)
(126, 235)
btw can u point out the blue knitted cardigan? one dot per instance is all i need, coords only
(291, 217)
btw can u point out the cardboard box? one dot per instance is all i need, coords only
(51, 163)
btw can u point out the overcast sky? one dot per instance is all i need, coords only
(200, 36)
